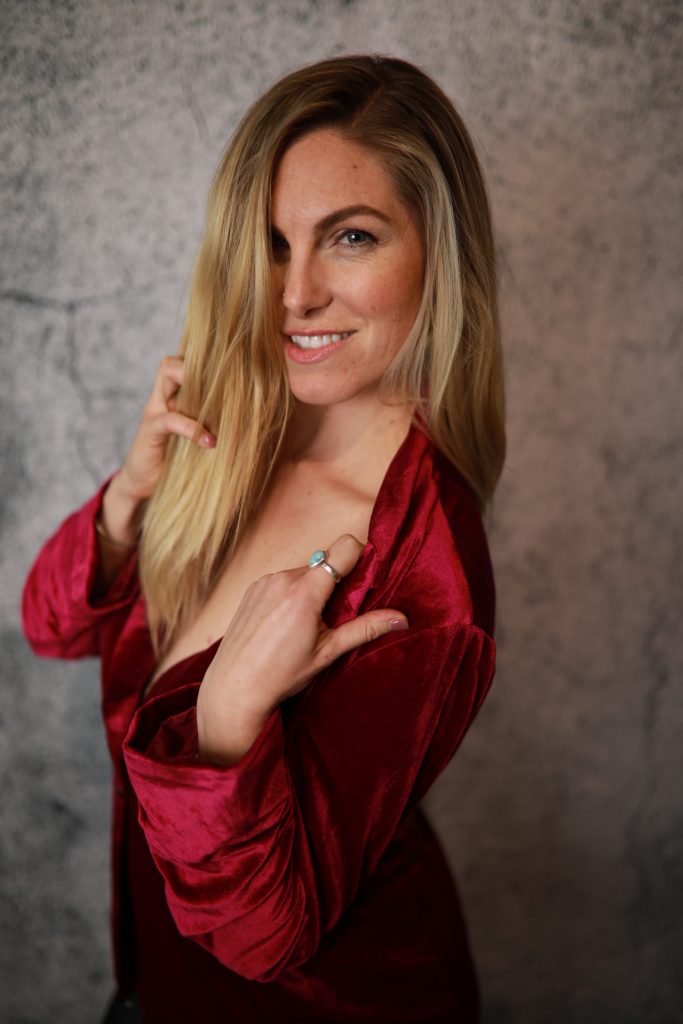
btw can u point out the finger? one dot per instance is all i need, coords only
(168, 379)
(362, 630)
(341, 555)
(175, 423)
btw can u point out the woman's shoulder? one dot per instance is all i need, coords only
(463, 528)
(443, 534)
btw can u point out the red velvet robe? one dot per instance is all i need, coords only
(301, 883)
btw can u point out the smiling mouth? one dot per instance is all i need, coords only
(317, 340)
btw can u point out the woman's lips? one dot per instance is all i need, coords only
(316, 355)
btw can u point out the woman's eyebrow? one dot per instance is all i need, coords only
(333, 218)
(350, 211)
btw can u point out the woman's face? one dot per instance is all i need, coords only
(348, 264)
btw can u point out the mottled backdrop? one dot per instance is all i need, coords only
(562, 812)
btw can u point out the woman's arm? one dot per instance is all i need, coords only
(116, 525)
(62, 609)
(276, 643)
(261, 856)
(86, 571)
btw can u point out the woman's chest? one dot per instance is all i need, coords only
(282, 537)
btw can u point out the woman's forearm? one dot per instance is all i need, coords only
(117, 528)
(225, 736)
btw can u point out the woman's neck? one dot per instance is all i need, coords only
(345, 434)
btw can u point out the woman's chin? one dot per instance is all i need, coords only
(321, 392)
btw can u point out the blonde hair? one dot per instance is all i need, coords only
(449, 369)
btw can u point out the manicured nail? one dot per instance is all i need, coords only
(397, 624)
(207, 441)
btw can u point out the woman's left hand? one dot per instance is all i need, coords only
(276, 643)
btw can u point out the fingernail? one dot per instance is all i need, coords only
(396, 624)
(207, 441)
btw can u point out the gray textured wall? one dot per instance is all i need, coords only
(562, 813)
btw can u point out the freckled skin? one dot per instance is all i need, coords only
(364, 274)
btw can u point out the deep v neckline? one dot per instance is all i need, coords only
(160, 684)
(385, 521)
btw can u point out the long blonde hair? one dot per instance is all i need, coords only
(449, 368)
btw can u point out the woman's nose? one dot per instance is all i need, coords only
(305, 287)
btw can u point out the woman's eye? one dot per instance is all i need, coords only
(355, 238)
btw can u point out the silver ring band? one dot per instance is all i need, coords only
(333, 572)
(319, 559)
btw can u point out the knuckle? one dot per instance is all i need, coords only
(302, 589)
(370, 632)
(168, 367)
(301, 579)
(327, 656)
(349, 543)
(291, 587)
(274, 581)
(174, 424)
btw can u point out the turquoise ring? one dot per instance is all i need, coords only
(319, 558)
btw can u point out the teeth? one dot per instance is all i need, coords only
(317, 340)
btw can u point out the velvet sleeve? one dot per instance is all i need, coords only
(261, 858)
(59, 618)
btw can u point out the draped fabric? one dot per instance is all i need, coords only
(301, 883)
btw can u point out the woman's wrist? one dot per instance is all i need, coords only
(224, 737)
(118, 545)
(118, 521)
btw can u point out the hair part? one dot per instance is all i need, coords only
(449, 370)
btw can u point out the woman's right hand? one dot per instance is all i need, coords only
(144, 462)
(138, 477)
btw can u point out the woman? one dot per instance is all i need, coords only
(274, 719)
